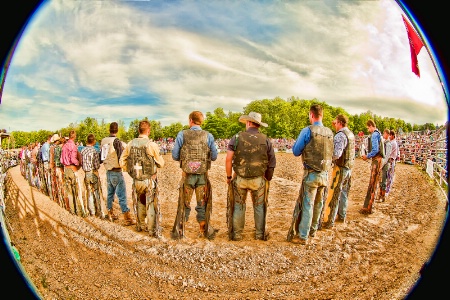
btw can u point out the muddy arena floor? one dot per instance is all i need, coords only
(377, 256)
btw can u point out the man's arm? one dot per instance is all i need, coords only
(123, 157)
(212, 146)
(340, 142)
(153, 150)
(302, 139)
(375, 139)
(228, 164)
(177, 146)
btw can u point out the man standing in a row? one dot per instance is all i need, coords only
(385, 165)
(111, 150)
(141, 159)
(251, 156)
(45, 156)
(90, 159)
(344, 159)
(70, 158)
(393, 157)
(195, 149)
(315, 144)
(376, 154)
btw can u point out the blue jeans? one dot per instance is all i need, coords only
(195, 183)
(116, 185)
(256, 188)
(314, 184)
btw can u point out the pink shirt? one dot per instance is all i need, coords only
(69, 154)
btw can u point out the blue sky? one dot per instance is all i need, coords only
(126, 60)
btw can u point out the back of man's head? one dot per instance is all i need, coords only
(196, 117)
(113, 127)
(90, 139)
(316, 110)
(143, 126)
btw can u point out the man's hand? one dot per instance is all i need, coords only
(364, 157)
(269, 174)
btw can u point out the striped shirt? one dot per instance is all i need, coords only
(90, 159)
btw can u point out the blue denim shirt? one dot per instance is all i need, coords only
(45, 149)
(180, 140)
(303, 139)
(375, 139)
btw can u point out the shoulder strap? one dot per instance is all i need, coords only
(236, 140)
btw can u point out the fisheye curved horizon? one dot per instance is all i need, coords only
(122, 61)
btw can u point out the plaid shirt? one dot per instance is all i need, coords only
(90, 159)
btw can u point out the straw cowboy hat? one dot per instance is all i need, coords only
(54, 138)
(252, 117)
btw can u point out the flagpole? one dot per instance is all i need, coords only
(438, 70)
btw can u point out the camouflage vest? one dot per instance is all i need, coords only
(140, 165)
(57, 156)
(250, 154)
(195, 155)
(347, 158)
(318, 153)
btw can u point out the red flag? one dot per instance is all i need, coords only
(415, 44)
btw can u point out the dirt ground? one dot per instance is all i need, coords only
(378, 256)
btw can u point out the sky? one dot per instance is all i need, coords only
(127, 60)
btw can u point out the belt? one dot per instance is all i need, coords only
(116, 170)
(73, 167)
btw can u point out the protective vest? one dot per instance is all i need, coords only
(318, 153)
(195, 155)
(109, 154)
(381, 147)
(140, 165)
(57, 156)
(250, 155)
(347, 158)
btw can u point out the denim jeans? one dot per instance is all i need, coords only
(338, 191)
(116, 185)
(314, 184)
(242, 187)
(384, 176)
(390, 177)
(195, 183)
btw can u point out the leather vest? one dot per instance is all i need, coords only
(347, 158)
(318, 153)
(250, 155)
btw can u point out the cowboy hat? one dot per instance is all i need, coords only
(54, 138)
(252, 117)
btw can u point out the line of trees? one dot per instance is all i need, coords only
(285, 119)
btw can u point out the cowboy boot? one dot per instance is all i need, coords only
(202, 225)
(111, 216)
(128, 220)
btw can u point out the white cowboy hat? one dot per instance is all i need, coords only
(252, 117)
(54, 138)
